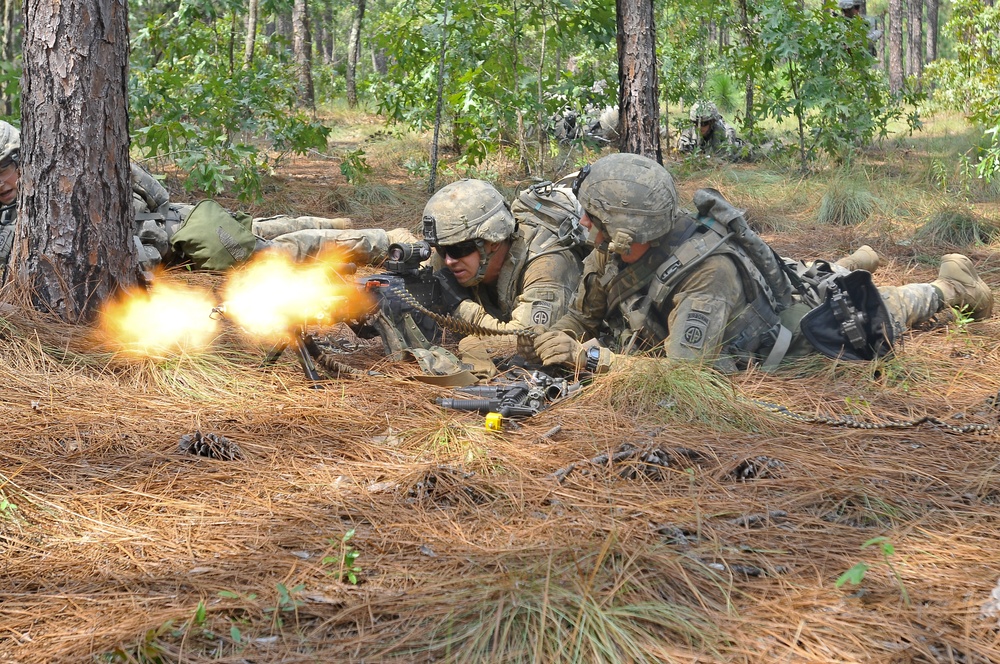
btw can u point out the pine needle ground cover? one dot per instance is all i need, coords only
(670, 518)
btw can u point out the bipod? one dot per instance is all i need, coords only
(306, 351)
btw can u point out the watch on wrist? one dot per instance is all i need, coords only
(593, 359)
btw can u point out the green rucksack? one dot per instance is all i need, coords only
(212, 238)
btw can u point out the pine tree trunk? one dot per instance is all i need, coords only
(638, 88)
(301, 47)
(253, 11)
(439, 108)
(7, 48)
(932, 29)
(353, 53)
(915, 41)
(75, 246)
(895, 46)
(746, 34)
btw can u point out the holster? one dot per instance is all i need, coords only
(852, 322)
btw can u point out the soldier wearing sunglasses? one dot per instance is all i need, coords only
(519, 273)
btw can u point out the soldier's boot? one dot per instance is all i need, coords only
(864, 258)
(961, 286)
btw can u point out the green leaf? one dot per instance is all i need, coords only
(235, 634)
(854, 576)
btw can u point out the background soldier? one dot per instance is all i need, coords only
(852, 9)
(709, 133)
(707, 289)
(167, 232)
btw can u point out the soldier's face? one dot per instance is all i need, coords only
(466, 267)
(8, 184)
(588, 223)
(705, 128)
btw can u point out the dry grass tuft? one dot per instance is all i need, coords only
(845, 203)
(957, 226)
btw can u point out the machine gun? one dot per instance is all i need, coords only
(405, 273)
(514, 399)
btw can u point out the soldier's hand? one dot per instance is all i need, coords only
(559, 348)
(526, 345)
(449, 292)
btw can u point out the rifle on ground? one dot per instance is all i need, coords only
(521, 398)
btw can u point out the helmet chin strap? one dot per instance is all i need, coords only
(484, 260)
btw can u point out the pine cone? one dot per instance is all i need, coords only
(210, 445)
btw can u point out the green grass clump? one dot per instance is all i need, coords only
(682, 391)
(574, 606)
(375, 194)
(959, 226)
(846, 203)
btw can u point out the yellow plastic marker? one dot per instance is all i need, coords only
(494, 421)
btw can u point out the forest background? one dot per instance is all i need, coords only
(669, 517)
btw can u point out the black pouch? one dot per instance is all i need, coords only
(852, 323)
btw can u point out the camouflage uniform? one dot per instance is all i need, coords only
(305, 237)
(721, 139)
(542, 265)
(696, 293)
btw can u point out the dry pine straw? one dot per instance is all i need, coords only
(116, 533)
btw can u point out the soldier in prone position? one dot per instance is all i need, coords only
(710, 134)
(158, 221)
(705, 289)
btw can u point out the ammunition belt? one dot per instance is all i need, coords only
(852, 423)
(455, 324)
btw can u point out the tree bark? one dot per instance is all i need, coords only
(75, 247)
(746, 34)
(301, 47)
(439, 108)
(932, 29)
(253, 11)
(638, 88)
(353, 53)
(895, 46)
(8, 40)
(915, 41)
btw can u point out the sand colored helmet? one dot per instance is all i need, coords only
(10, 144)
(629, 198)
(468, 211)
(703, 111)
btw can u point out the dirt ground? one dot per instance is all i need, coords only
(664, 515)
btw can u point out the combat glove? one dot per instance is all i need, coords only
(526, 345)
(559, 348)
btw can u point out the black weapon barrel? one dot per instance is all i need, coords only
(482, 405)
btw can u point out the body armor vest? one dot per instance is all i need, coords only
(638, 294)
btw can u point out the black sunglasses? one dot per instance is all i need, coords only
(578, 181)
(457, 251)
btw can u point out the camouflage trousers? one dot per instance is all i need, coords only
(910, 305)
(364, 246)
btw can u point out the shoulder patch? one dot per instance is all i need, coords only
(694, 330)
(541, 313)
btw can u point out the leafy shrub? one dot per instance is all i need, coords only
(219, 122)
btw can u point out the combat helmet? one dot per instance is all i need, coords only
(468, 211)
(10, 144)
(629, 198)
(703, 111)
(849, 4)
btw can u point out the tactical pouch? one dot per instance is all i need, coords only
(212, 239)
(852, 322)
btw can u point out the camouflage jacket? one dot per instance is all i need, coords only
(722, 140)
